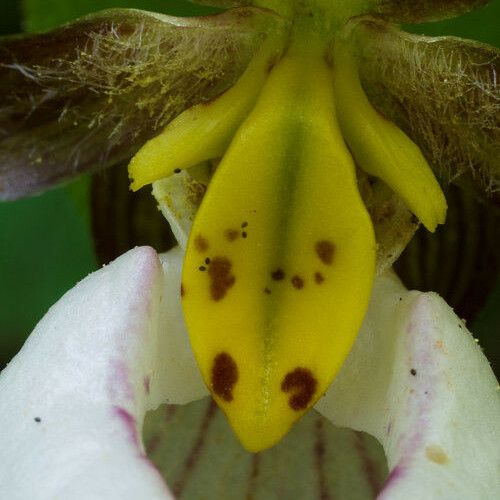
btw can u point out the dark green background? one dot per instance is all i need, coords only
(45, 242)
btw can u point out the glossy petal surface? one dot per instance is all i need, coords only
(281, 257)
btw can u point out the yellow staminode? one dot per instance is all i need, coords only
(280, 262)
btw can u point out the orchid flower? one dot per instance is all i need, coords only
(290, 147)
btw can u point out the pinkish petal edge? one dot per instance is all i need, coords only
(73, 401)
(420, 384)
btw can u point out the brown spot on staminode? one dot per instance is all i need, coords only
(278, 275)
(325, 250)
(297, 282)
(224, 376)
(303, 384)
(221, 279)
(183, 290)
(201, 243)
(436, 454)
(267, 291)
(319, 278)
(231, 234)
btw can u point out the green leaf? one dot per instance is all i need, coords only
(419, 11)
(42, 15)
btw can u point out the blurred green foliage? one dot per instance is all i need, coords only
(45, 241)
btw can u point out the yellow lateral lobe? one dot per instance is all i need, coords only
(280, 261)
(380, 147)
(204, 131)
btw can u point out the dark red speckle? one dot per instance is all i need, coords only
(221, 278)
(325, 250)
(231, 234)
(303, 385)
(201, 243)
(297, 282)
(224, 376)
(319, 278)
(278, 275)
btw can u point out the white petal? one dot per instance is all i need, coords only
(179, 379)
(179, 197)
(419, 383)
(73, 401)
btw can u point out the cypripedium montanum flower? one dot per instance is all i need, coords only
(291, 112)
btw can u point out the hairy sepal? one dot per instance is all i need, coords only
(442, 92)
(204, 131)
(90, 93)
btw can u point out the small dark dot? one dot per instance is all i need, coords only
(413, 371)
(37, 419)
(319, 278)
(182, 290)
(244, 224)
(267, 291)
(202, 268)
(297, 282)
(177, 171)
(207, 261)
(244, 234)
(400, 298)
(459, 326)
(278, 275)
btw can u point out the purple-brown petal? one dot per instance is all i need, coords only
(89, 94)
